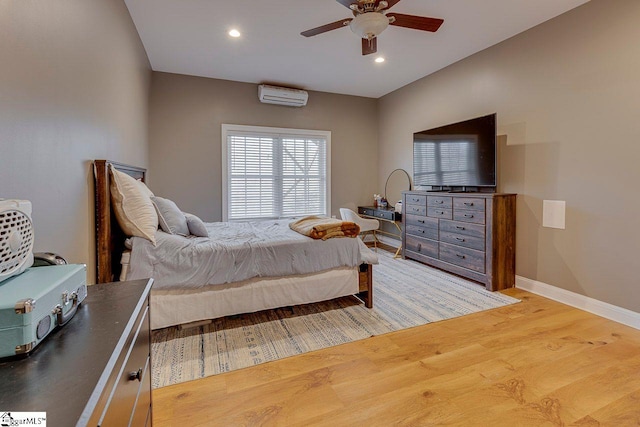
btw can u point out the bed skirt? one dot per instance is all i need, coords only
(175, 307)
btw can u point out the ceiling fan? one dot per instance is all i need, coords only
(371, 18)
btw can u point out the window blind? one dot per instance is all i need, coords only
(275, 175)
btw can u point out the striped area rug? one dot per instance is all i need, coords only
(406, 294)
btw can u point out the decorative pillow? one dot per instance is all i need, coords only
(196, 226)
(132, 206)
(144, 189)
(171, 219)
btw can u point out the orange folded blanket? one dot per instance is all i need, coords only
(321, 227)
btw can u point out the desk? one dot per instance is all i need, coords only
(387, 215)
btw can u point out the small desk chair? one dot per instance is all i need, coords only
(367, 226)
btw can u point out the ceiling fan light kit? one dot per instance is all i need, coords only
(370, 19)
(369, 25)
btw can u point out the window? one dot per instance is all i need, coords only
(274, 173)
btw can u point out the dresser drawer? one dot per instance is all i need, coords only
(366, 211)
(416, 199)
(464, 228)
(472, 242)
(422, 221)
(439, 201)
(438, 212)
(422, 246)
(133, 382)
(142, 411)
(464, 257)
(384, 214)
(416, 210)
(465, 215)
(470, 203)
(428, 232)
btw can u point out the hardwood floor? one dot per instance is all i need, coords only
(536, 363)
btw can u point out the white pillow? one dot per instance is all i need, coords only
(196, 226)
(171, 219)
(132, 206)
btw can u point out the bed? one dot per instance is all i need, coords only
(184, 303)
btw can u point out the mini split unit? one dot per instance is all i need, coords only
(282, 96)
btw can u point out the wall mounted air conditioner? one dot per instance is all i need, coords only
(282, 96)
(16, 237)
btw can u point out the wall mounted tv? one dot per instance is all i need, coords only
(456, 157)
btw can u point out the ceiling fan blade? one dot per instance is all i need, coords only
(369, 46)
(347, 3)
(416, 22)
(327, 27)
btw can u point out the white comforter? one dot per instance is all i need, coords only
(239, 251)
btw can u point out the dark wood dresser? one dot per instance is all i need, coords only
(468, 234)
(96, 369)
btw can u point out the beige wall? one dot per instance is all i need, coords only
(186, 114)
(567, 94)
(73, 87)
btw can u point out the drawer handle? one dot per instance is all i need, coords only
(440, 212)
(459, 227)
(416, 200)
(136, 375)
(468, 203)
(439, 202)
(459, 239)
(421, 221)
(468, 215)
(460, 256)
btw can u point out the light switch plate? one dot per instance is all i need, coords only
(553, 213)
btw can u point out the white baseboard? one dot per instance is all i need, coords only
(389, 240)
(603, 309)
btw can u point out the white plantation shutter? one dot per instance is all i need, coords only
(251, 183)
(274, 173)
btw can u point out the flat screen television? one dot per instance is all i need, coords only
(456, 157)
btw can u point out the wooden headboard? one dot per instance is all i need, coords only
(109, 236)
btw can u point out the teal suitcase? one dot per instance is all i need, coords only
(35, 302)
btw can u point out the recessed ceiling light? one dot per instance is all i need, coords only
(234, 33)
(379, 59)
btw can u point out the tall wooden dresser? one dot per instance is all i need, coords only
(96, 369)
(468, 234)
